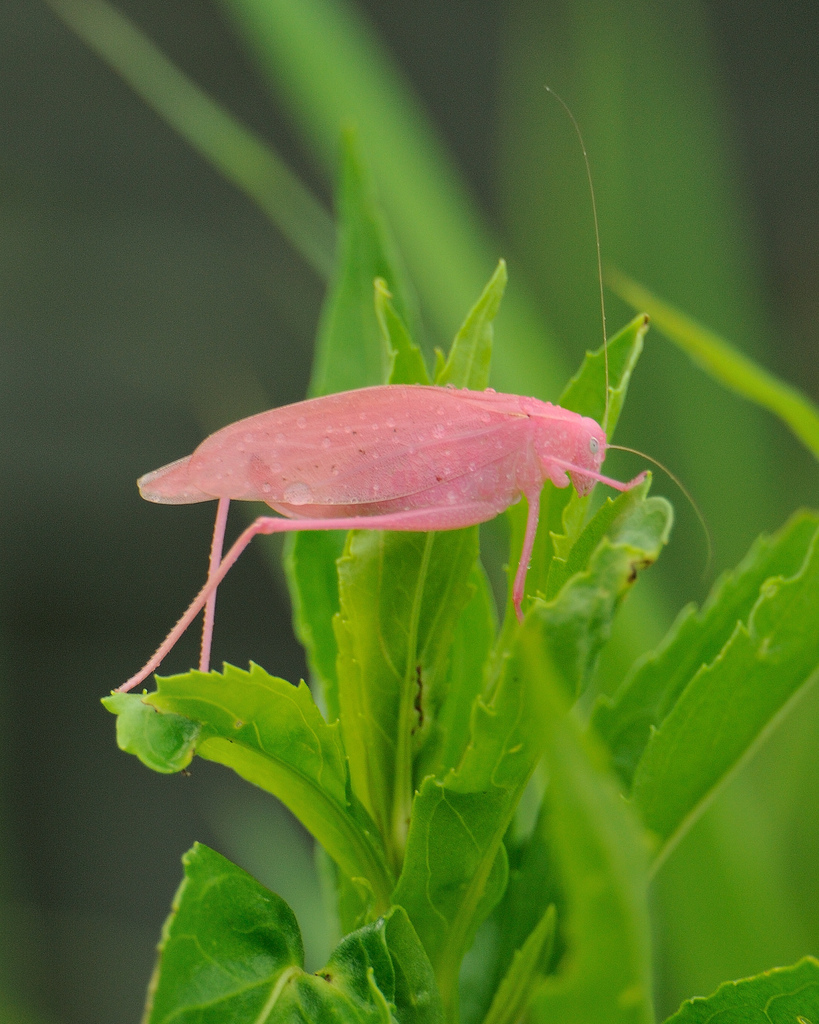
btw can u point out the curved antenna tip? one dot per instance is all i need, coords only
(709, 545)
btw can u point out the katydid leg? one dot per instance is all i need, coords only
(213, 565)
(532, 520)
(418, 520)
(618, 485)
(526, 552)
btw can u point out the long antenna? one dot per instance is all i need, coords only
(573, 119)
(708, 542)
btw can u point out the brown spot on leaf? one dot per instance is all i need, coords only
(418, 703)
(637, 566)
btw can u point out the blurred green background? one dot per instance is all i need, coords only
(145, 301)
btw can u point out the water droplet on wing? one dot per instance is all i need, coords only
(297, 493)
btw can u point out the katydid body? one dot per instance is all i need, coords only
(393, 457)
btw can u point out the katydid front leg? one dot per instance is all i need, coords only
(213, 568)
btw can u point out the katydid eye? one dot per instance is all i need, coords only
(594, 445)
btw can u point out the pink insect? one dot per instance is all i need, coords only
(393, 457)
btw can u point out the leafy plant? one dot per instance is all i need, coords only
(453, 780)
(490, 820)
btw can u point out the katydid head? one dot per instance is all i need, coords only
(588, 452)
(567, 443)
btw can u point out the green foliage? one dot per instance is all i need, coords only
(729, 702)
(656, 682)
(689, 712)
(515, 991)
(391, 679)
(471, 352)
(354, 348)
(405, 362)
(455, 869)
(601, 857)
(727, 364)
(781, 996)
(231, 950)
(440, 728)
(610, 366)
(351, 353)
(272, 734)
(392, 682)
(164, 743)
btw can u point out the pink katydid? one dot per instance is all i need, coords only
(390, 457)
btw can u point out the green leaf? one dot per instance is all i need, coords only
(310, 564)
(228, 951)
(631, 518)
(241, 155)
(455, 867)
(401, 595)
(468, 656)
(632, 532)
(467, 365)
(349, 350)
(727, 364)
(416, 994)
(533, 886)
(562, 511)
(404, 359)
(626, 720)
(586, 391)
(454, 873)
(231, 952)
(360, 976)
(784, 995)
(272, 734)
(730, 701)
(163, 743)
(605, 973)
(515, 992)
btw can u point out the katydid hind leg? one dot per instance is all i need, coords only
(413, 520)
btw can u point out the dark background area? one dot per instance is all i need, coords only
(145, 302)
